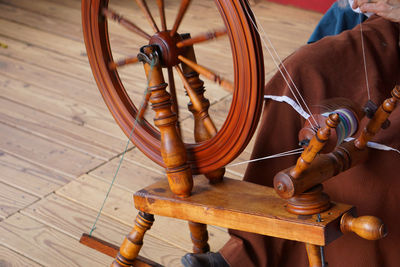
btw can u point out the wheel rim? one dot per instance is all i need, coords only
(246, 104)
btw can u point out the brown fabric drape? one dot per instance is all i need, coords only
(333, 67)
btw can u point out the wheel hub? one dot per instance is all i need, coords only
(166, 46)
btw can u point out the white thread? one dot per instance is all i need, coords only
(377, 146)
(282, 154)
(365, 61)
(291, 102)
(283, 67)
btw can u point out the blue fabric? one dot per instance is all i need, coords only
(336, 20)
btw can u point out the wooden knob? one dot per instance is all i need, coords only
(367, 227)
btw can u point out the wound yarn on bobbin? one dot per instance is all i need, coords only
(349, 114)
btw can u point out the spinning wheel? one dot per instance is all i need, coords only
(260, 209)
(247, 85)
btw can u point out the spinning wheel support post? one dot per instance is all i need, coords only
(204, 127)
(173, 150)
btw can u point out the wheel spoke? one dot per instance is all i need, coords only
(160, 4)
(201, 38)
(142, 4)
(207, 73)
(179, 17)
(172, 91)
(124, 22)
(122, 62)
(212, 130)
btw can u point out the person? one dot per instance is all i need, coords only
(339, 17)
(331, 67)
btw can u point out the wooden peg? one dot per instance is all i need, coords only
(367, 227)
(173, 150)
(315, 146)
(379, 118)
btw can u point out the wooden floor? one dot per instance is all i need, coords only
(59, 146)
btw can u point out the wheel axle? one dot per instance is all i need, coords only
(166, 46)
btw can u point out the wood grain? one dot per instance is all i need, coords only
(243, 206)
(44, 153)
(12, 200)
(73, 219)
(60, 106)
(9, 258)
(89, 191)
(28, 177)
(62, 132)
(46, 245)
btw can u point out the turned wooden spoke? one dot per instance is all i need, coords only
(172, 91)
(179, 17)
(201, 38)
(124, 22)
(142, 4)
(194, 98)
(191, 93)
(122, 62)
(160, 4)
(207, 73)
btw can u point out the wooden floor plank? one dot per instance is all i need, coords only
(60, 131)
(43, 39)
(48, 9)
(135, 156)
(12, 200)
(56, 62)
(90, 192)
(22, 74)
(33, 15)
(132, 177)
(60, 106)
(44, 153)
(73, 219)
(9, 258)
(61, 21)
(46, 245)
(25, 176)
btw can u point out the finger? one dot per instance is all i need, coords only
(375, 8)
(358, 3)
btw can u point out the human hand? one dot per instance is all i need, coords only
(388, 9)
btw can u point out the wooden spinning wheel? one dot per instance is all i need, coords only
(248, 82)
(298, 187)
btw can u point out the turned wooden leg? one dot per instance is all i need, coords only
(314, 255)
(133, 242)
(199, 235)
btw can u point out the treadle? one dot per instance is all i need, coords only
(112, 250)
(242, 206)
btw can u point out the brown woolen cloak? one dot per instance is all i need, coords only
(333, 67)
